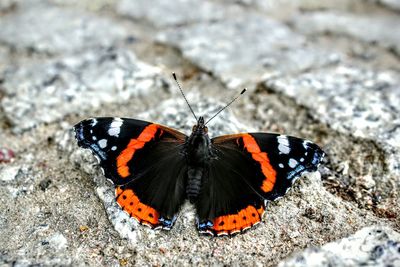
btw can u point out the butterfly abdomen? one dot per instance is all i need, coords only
(195, 176)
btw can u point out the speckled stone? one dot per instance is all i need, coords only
(48, 91)
(354, 101)
(293, 7)
(9, 173)
(382, 29)
(57, 209)
(57, 30)
(6, 5)
(393, 4)
(239, 50)
(370, 246)
(164, 13)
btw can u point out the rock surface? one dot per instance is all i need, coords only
(56, 30)
(45, 92)
(365, 27)
(238, 50)
(61, 62)
(371, 246)
(163, 13)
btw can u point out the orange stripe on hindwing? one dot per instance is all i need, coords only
(130, 203)
(126, 155)
(242, 220)
(269, 172)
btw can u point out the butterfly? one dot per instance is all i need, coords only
(229, 179)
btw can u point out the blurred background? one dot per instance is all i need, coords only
(323, 70)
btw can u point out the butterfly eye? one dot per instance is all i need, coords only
(194, 128)
(205, 129)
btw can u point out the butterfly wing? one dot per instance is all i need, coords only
(247, 170)
(144, 160)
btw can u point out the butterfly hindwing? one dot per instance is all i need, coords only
(145, 162)
(227, 204)
(246, 170)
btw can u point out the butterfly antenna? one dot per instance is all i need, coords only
(233, 100)
(187, 102)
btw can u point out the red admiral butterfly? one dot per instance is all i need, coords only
(229, 179)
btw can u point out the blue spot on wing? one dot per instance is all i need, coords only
(98, 151)
(297, 171)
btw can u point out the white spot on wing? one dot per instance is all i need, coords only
(115, 127)
(102, 143)
(292, 163)
(283, 144)
(305, 144)
(94, 138)
(280, 165)
(113, 148)
(302, 159)
(93, 123)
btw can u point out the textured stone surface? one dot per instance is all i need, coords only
(291, 8)
(371, 246)
(61, 62)
(343, 93)
(57, 30)
(394, 4)
(45, 92)
(364, 27)
(6, 5)
(358, 102)
(164, 13)
(240, 49)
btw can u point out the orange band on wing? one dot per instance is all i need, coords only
(242, 220)
(269, 172)
(130, 203)
(127, 154)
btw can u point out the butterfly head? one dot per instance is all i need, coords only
(200, 128)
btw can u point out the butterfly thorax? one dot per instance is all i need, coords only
(197, 156)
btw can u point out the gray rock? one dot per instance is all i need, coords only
(48, 91)
(370, 246)
(239, 50)
(9, 173)
(358, 102)
(382, 29)
(56, 207)
(284, 8)
(164, 13)
(6, 5)
(393, 4)
(51, 30)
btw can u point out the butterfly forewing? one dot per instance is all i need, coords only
(144, 160)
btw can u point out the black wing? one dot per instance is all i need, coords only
(144, 160)
(246, 171)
